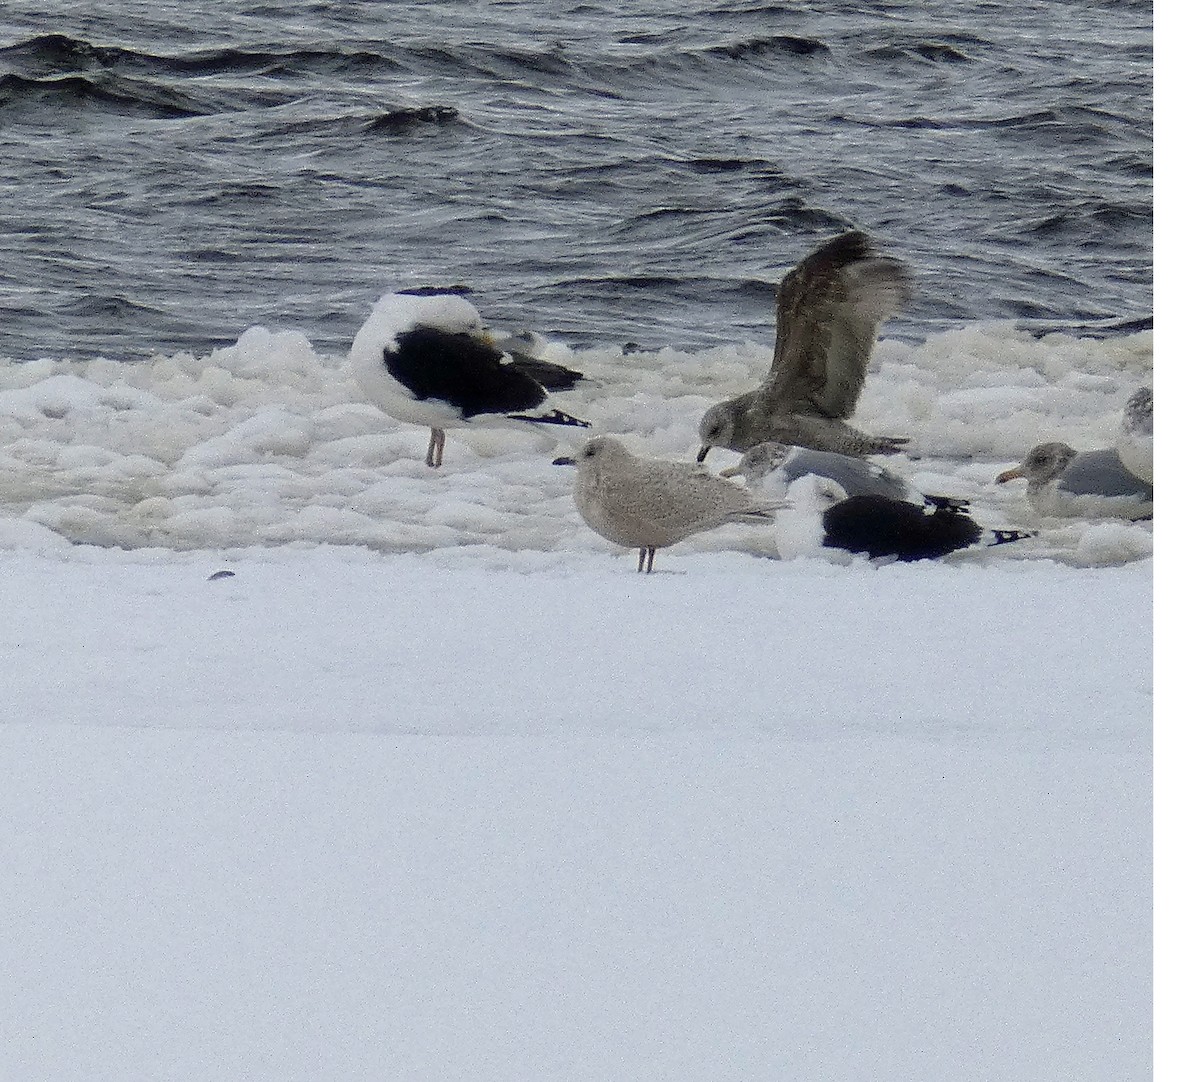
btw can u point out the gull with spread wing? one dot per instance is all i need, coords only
(828, 313)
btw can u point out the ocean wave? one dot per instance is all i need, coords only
(1073, 123)
(1083, 221)
(403, 120)
(656, 56)
(60, 72)
(774, 45)
(493, 61)
(102, 90)
(926, 51)
(48, 54)
(109, 306)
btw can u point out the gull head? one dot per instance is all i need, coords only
(594, 453)
(718, 426)
(441, 312)
(1042, 465)
(759, 461)
(396, 314)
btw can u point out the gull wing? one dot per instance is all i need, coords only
(1101, 473)
(461, 370)
(828, 313)
(679, 499)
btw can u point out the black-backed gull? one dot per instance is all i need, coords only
(428, 359)
(883, 527)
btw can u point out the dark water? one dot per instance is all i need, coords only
(171, 174)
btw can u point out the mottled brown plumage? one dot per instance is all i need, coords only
(650, 503)
(827, 318)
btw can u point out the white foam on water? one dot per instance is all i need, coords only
(267, 442)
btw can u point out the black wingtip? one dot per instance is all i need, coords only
(947, 503)
(1007, 537)
(554, 417)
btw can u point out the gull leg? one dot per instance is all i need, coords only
(641, 558)
(437, 441)
(649, 560)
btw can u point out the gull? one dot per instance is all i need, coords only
(827, 318)
(1064, 482)
(773, 466)
(426, 358)
(648, 503)
(1135, 439)
(881, 526)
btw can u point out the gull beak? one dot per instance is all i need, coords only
(731, 471)
(564, 460)
(1010, 475)
(703, 452)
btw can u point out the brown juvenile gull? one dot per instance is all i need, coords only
(1063, 482)
(827, 317)
(649, 503)
(1135, 438)
(427, 358)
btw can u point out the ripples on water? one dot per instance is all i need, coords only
(604, 172)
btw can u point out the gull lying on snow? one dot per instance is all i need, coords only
(426, 358)
(648, 504)
(880, 526)
(1064, 482)
(827, 318)
(773, 466)
(1135, 438)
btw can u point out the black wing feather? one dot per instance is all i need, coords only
(461, 371)
(554, 377)
(880, 526)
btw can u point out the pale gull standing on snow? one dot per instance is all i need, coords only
(427, 358)
(771, 467)
(648, 504)
(1064, 482)
(1135, 438)
(827, 318)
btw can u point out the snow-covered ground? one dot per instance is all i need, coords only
(434, 786)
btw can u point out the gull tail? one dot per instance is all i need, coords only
(763, 512)
(554, 377)
(883, 445)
